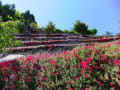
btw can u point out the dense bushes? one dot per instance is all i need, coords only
(6, 34)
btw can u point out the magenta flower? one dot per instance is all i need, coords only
(55, 73)
(85, 76)
(41, 68)
(44, 78)
(70, 82)
(70, 88)
(86, 88)
(77, 77)
(76, 65)
(27, 80)
(115, 61)
(83, 64)
(52, 62)
(30, 57)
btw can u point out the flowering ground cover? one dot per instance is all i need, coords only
(94, 67)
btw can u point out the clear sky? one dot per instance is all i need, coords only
(103, 15)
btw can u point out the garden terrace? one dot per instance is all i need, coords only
(95, 67)
(37, 42)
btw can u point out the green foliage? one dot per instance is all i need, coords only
(50, 28)
(80, 27)
(21, 27)
(29, 18)
(66, 31)
(9, 13)
(58, 30)
(92, 32)
(6, 11)
(6, 35)
(33, 26)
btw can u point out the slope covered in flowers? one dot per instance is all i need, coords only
(84, 68)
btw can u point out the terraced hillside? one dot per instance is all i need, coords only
(37, 42)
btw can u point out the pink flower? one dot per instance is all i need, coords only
(30, 57)
(85, 76)
(86, 88)
(27, 80)
(115, 61)
(84, 64)
(34, 66)
(11, 76)
(70, 82)
(98, 77)
(76, 65)
(75, 55)
(70, 88)
(52, 62)
(44, 79)
(41, 68)
(86, 47)
(56, 73)
(101, 83)
(77, 77)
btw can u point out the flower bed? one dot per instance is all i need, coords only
(84, 68)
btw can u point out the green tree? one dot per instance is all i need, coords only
(80, 27)
(50, 28)
(29, 18)
(9, 13)
(7, 10)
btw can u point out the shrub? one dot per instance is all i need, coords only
(58, 30)
(80, 27)
(21, 27)
(6, 35)
(92, 32)
(50, 28)
(66, 31)
(33, 26)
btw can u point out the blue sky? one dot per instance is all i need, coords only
(100, 14)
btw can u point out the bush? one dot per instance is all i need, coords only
(58, 30)
(21, 27)
(50, 28)
(66, 31)
(92, 32)
(6, 35)
(33, 26)
(80, 27)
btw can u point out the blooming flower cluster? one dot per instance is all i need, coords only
(84, 68)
